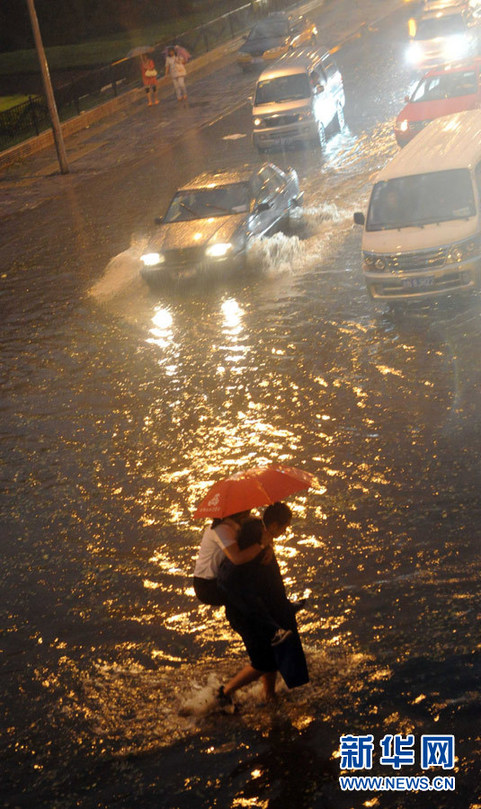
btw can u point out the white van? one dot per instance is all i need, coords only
(297, 99)
(422, 233)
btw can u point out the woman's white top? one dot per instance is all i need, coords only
(211, 551)
(176, 66)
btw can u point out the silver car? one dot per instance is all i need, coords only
(211, 220)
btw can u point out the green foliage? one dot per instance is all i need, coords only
(11, 101)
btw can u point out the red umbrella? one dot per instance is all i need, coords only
(259, 486)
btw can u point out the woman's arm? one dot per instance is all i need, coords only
(238, 557)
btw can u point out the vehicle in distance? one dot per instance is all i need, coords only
(441, 91)
(442, 37)
(422, 233)
(211, 221)
(298, 99)
(272, 37)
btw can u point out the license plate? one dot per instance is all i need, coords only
(418, 283)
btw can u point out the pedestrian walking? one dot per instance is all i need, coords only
(267, 658)
(175, 68)
(149, 78)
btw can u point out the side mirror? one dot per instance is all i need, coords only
(159, 220)
(406, 99)
(359, 218)
(262, 206)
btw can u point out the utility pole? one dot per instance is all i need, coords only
(52, 107)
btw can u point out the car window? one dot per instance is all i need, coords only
(297, 26)
(269, 28)
(449, 85)
(330, 70)
(206, 203)
(269, 185)
(421, 199)
(319, 73)
(441, 27)
(283, 88)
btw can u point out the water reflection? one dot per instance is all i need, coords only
(162, 331)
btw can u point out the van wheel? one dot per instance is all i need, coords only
(341, 123)
(321, 134)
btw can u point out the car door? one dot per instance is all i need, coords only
(266, 205)
(334, 82)
(323, 105)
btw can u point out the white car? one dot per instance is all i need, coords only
(442, 37)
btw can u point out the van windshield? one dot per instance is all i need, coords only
(283, 88)
(441, 27)
(421, 199)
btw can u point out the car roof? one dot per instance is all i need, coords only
(442, 13)
(453, 67)
(295, 62)
(221, 177)
(445, 5)
(450, 142)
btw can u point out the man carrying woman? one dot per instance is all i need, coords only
(266, 579)
(237, 567)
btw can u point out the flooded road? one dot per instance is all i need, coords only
(121, 406)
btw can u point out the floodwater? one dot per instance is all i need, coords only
(121, 407)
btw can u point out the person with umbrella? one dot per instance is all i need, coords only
(175, 68)
(266, 657)
(229, 503)
(149, 78)
(237, 495)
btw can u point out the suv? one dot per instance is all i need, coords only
(299, 98)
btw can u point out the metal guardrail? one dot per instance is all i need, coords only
(97, 86)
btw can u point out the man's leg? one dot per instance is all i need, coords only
(269, 681)
(243, 677)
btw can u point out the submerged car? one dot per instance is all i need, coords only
(272, 37)
(211, 220)
(442, 91)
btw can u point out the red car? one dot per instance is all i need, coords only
(441, 91)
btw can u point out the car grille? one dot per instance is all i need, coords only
(184, 257)
(281, 120)
(411, 262)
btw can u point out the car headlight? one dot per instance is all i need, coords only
(414, 52)
(152, 259)
(456, 47)
(368, 261)
(218, 249)
(403, 126)
(258, 122)
(463, 250)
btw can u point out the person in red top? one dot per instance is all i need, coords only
(149, 78)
